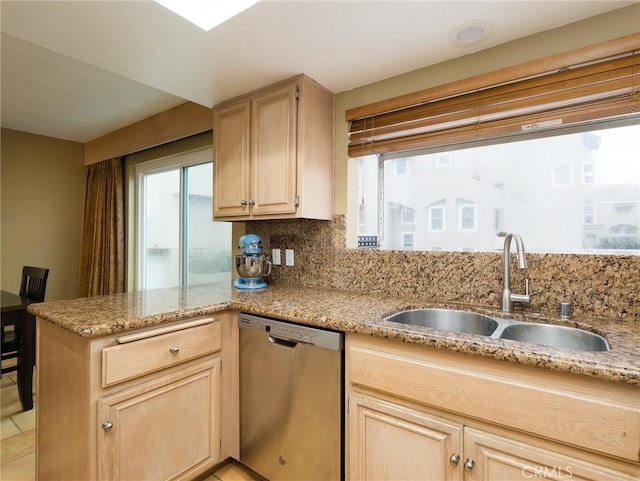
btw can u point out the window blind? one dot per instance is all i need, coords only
(595, 83)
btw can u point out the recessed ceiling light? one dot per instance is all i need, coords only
(470, 33)
(207, 14)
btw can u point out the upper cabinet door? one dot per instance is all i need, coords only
(231, 159)
(273, 153)
(273, 157)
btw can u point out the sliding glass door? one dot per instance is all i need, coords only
(178, 243)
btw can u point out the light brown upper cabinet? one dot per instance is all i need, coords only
(273, 153)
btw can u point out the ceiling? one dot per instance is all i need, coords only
(77, 70)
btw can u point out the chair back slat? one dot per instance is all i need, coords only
(34, 283)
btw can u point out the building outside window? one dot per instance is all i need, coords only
(511, 181)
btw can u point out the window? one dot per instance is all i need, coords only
(589, 214)
(177, 241)
(467, 216)
(512, 190)
(623, 207)
(407, 240)
(588, 173)
(436, 218)
(400, 167)
(406, 215)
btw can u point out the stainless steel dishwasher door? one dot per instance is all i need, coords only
(291, 400)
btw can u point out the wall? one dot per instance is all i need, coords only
(42, 200)
(612, 25)
(596, 285)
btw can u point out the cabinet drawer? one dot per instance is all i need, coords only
(154, 351)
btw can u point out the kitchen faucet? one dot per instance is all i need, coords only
(508, 298)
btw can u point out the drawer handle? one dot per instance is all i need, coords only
(107, 425)
(174, 349)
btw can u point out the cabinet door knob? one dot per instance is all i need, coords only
(454, 459)
(243, 202)
(252, 202)
(174, 349)
(107, 425)
(469, 464)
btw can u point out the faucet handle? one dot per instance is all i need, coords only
(522, 297)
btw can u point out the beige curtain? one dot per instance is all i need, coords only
(102, 248)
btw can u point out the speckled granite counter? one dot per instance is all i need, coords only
(349, 312)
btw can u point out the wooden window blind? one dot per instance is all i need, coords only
(593, 83)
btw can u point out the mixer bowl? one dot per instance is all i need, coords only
(253, 267)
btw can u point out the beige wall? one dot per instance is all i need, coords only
(588, 32)
(41, 211)
(44, 228)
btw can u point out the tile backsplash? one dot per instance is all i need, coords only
(596, 285)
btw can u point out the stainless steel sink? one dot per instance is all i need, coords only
(448, 320)
(474, 323)
(555, 336)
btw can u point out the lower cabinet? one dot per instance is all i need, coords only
(391, 441)
(421, 414)
(179, 415)
(499, 458)
(147, 404)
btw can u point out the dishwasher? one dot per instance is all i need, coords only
(291, 400)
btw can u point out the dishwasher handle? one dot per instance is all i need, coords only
(282, 342)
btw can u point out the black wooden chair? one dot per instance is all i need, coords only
(34, 283)
(33, 286)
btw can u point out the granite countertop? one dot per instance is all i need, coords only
(349, 312)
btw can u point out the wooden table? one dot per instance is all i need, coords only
(14, 308)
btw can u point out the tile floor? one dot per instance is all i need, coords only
(17, 441)
(17, 435)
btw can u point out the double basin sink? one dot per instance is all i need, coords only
(475, 323)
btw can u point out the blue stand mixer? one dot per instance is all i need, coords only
(252, 266)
